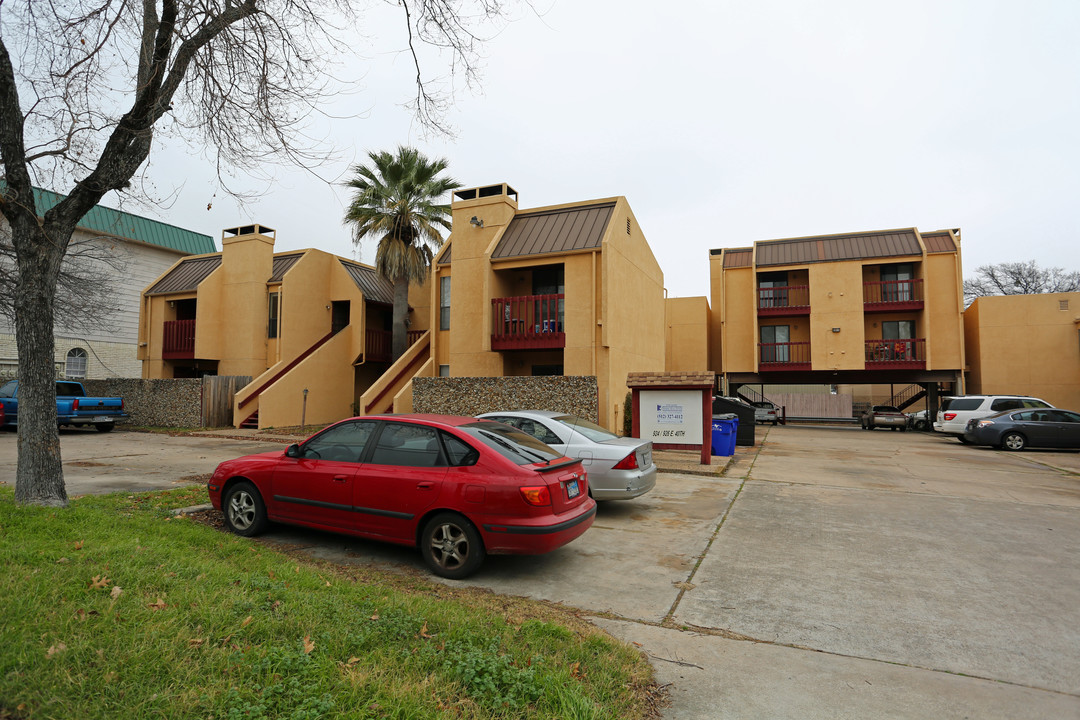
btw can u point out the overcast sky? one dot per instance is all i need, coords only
(727, 122)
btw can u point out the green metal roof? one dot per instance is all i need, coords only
(105, 220)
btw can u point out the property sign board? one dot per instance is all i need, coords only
(671, 416)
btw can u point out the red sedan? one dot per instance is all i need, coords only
(458, 488)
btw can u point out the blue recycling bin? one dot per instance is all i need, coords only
(724, 428)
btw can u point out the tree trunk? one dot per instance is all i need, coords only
(39, 475)
(401, 315)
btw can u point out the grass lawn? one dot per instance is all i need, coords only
(113, 608)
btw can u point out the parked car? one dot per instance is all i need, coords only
(918, 420)
(619, 467)
(884, 416)
(73, 406)
(765, 412)
(457, 488)
(955, 411)
(1019, 429)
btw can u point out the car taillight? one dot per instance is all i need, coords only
(538, 495)
(74, 404)
(984, 423)
(627, 463)
(950, 416)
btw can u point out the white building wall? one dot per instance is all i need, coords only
(111, 350)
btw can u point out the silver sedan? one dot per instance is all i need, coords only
(619, 468)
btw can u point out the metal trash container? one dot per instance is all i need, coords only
(724, 428)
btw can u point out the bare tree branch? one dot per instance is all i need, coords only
(1019, 278)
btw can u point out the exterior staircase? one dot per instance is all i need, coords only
(251, 422)
(908, 396)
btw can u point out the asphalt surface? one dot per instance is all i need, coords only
(829, 573)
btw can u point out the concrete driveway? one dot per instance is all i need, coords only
(830, 573)
(131, 461)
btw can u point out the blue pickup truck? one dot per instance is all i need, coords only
(73, 407)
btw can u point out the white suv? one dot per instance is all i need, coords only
(954, 413)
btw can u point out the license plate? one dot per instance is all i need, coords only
(646, 459)
(101, 418)
(573, 489)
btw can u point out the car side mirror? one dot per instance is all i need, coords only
(293, 451)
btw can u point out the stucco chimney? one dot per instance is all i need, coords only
(478, 214)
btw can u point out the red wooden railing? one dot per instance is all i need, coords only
(905, 352)
(784, 356)
(379, 343)
(894, 294)
(527, 321)
(178, 342)
(784, 300)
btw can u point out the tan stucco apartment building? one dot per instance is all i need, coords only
(1025, 345)
(858, 308)
(568, 289)
(311, 329)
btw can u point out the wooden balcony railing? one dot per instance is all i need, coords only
(784, 356)
(890, 295)
(896, 354)
(378, 344)
(178, 342)
(784, 300)
(527, 322)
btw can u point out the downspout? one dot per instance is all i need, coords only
(592, 283)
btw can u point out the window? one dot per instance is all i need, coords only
(444, 303)
(896, 282)
(341, 443)
(458, 451)
(444, 371)
(274, 312)
(76, 363)
(407, 446)
(774, 344)
(773, 289)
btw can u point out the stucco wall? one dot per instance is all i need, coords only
(687, 346)
(155, 403)
(575, 395)
(1027, 345)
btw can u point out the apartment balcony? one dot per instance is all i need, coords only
(178, 342)
(783, 300)
(379, 343)
(904, 354)
(527, 322)
(789, 356)
(893, 295)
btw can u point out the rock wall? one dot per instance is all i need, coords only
(576, 395)
(155, 403)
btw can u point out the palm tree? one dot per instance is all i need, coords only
(396, 200)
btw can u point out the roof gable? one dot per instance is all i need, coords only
(186, 275)
(375, 287)
(555, 231)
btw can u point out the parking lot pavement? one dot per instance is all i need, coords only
(830, 573)
(852, 556)
(96, 463)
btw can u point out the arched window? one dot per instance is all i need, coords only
(76, 363)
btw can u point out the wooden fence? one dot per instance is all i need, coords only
(218, 392)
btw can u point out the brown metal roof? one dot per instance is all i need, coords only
(738, 257)
(832, 248)
(186, 276)
(375, 287)
(445, 259)
(282, 263)
(555, 231)
(939, 242)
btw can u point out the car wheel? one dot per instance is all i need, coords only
(451, 546)
(105, 427)
(903, 429)
(920, 424)
(1013, 441)
(245, 513)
